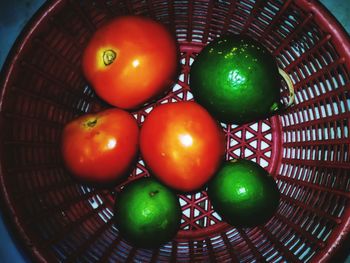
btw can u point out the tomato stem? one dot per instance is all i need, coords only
(91, 123)
(109, 56)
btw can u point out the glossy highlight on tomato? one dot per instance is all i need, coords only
(182, 145)
(130, 61)
(100, 148)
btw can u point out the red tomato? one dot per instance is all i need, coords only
(182, 145)
(130, 60)
(100, 148)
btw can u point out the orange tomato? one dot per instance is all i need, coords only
(100, 148)
(182, 145)
(130, 60)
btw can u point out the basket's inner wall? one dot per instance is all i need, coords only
(306, 149)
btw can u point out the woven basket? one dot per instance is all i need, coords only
(306, 148)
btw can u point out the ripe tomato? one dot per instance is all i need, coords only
(182, 145)
(130, 60)
(100, 148)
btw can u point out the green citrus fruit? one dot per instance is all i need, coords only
(243, 193)
(147, 213)
(236, 79)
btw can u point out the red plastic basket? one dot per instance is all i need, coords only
(306, 148)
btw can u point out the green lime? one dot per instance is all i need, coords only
(236, 79)
(244, 193)
(147, 213)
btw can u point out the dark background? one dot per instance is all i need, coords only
(14, 14)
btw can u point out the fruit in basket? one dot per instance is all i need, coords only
(147, 213)
(236, 79)
(244, 193)
(182, 145)
(130, 60)
(100, 148)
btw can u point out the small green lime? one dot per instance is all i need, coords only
(236, 79)
(243, 193)
(147, 213)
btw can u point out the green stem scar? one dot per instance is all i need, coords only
(153, 193)
(109, 56)
(91, 123)
(275, 106)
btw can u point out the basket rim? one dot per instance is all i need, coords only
(20, 233)
(336, 244)
(327, 20)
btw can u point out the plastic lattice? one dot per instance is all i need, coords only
(306, 148)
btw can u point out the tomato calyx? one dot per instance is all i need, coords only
(108, 56)
(90, 123)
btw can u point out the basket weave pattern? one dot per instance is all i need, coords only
(306, 148)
